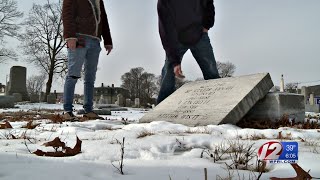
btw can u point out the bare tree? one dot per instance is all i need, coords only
(43, 41)
(148, 86)
(140, 84)
(291, 87)
(9, 15)
(226, 69)
(35, 84)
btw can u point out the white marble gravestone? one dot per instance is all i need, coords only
(217, 101)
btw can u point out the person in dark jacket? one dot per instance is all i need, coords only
(184, 25)
(84, 21)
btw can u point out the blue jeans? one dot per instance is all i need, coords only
(88, 57)
(202, 52)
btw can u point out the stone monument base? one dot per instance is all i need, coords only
(275, 105)
(7, 102)
(313, 108)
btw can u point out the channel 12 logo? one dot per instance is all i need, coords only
(279, 152)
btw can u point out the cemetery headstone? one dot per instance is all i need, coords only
(17, 82)
(51, 99)
(217, 101)
(34, 98)
(102, 100)
(120, 100)
(311, 99)
(17, 97)
(128, 102)
(6, 101)
(137, 102)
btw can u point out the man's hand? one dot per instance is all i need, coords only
(178, 72)
(205, 30)
(108, 48)
(72, 43)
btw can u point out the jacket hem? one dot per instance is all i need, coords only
(94, 37)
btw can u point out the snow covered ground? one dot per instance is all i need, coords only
(157, 150)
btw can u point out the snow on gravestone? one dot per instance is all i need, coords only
(217, 101)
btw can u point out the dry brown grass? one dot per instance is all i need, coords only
(284, 121)
(253, 137)
(145, 133)
(198, 130)
(286, 136)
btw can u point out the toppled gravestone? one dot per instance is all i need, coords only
(217, 101)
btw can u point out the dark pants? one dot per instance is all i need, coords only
(202, 52)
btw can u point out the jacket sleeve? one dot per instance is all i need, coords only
(105, 26)
(208, 14)
(68, 13)
(168, 33)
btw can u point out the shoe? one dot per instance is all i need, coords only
(92, 116)
(69, 116)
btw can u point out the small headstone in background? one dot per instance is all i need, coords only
(102, 100)
(313, 108)
(34, 98)
(136, 102)
(120, 100)
(311, 99)
(217, 101)
(6, 102)
(128, 102)
(274, 106)
(18, 82)
(17, 97)
(51, 99)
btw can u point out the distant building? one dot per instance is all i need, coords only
(311, 91)
(109, 93)
(312, 98)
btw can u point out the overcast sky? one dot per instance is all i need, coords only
(279, 37)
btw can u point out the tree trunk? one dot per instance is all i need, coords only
(50, 78)
(48, 85)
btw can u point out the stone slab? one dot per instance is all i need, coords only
(17, 97)
(17, 82)
(51, 99)
(106, 106)
(34, 98)
(105, 111)
(275, 105)
(217, 101)
(6, 102)
(313, 108)
(97, 111)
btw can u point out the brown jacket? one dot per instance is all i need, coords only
(79, 17)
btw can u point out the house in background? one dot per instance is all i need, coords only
(312, 98)
(109, 93)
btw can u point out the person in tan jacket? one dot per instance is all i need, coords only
(85, 24)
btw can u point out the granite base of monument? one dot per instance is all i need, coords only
(6, 102)
(217, 101)
(34, 98)
(17, 97)
(51, 99)
(313, 108)
(276, 105)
